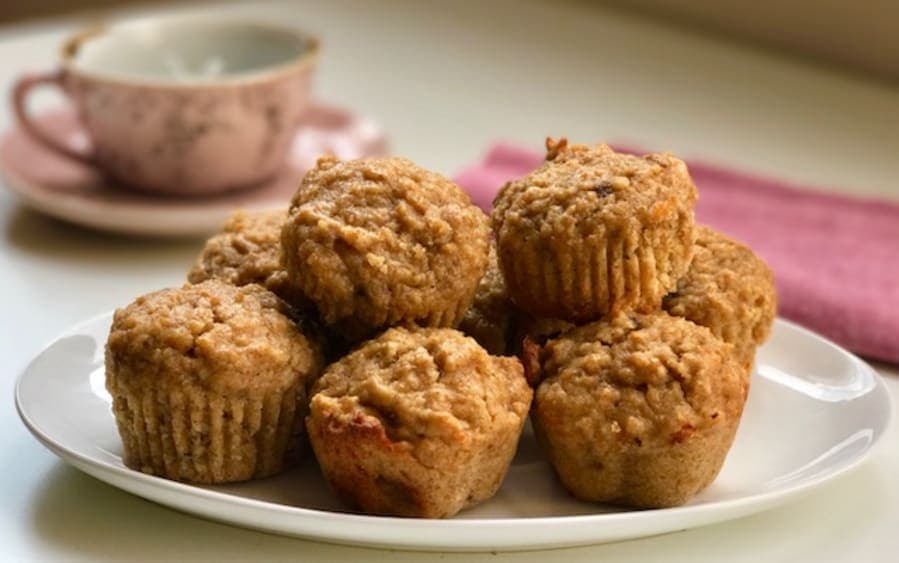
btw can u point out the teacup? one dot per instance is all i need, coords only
(182, 105)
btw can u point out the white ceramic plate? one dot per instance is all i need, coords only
(814, 412)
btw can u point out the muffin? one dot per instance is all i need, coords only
(418, 422)
(489, 319)
(638, 410)
(248, 250)
(728, 289)
(209, 382)
(381, 242)
(593, 232)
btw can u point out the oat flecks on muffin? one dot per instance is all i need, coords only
(489, 320)
(419, 422)
(248, 250)
(728, 289)
(209, 382)
(379, 242)
(593, 232)
(639, 410)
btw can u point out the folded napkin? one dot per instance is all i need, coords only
(835, 258)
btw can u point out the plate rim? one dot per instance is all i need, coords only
(731, 508)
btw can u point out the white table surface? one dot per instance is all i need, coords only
(445, 81)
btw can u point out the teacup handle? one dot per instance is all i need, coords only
(19, 96)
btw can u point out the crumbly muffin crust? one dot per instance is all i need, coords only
(248, 250)
(209, 382)
(593, 232)
(639, 410)
(489, 320)
(419, 422)
(379, 242)
(728, 289)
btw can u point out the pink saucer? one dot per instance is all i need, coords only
(78, 193)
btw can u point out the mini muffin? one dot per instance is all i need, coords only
(728, 289)
(593, 232)
(489, 319)
(639, 410)
(209, 382)
(418, 422)
(380, 242)
(248, 250)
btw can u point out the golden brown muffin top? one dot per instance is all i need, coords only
(726, 278)
(425, 383)
(582, 190)
(220, 337)
(370, 233)
(647, 380)
(248, 250)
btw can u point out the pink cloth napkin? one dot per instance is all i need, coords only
(835, 258)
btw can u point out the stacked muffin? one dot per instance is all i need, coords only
(638, 334)
(419, 420)
(212, 382)
(635, 328)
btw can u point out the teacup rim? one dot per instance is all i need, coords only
(71, 45)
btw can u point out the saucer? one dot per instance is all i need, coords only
(81, 194)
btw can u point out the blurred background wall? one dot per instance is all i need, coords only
(859, 36)
(15, 10)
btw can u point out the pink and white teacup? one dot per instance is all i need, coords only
(182, 106)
